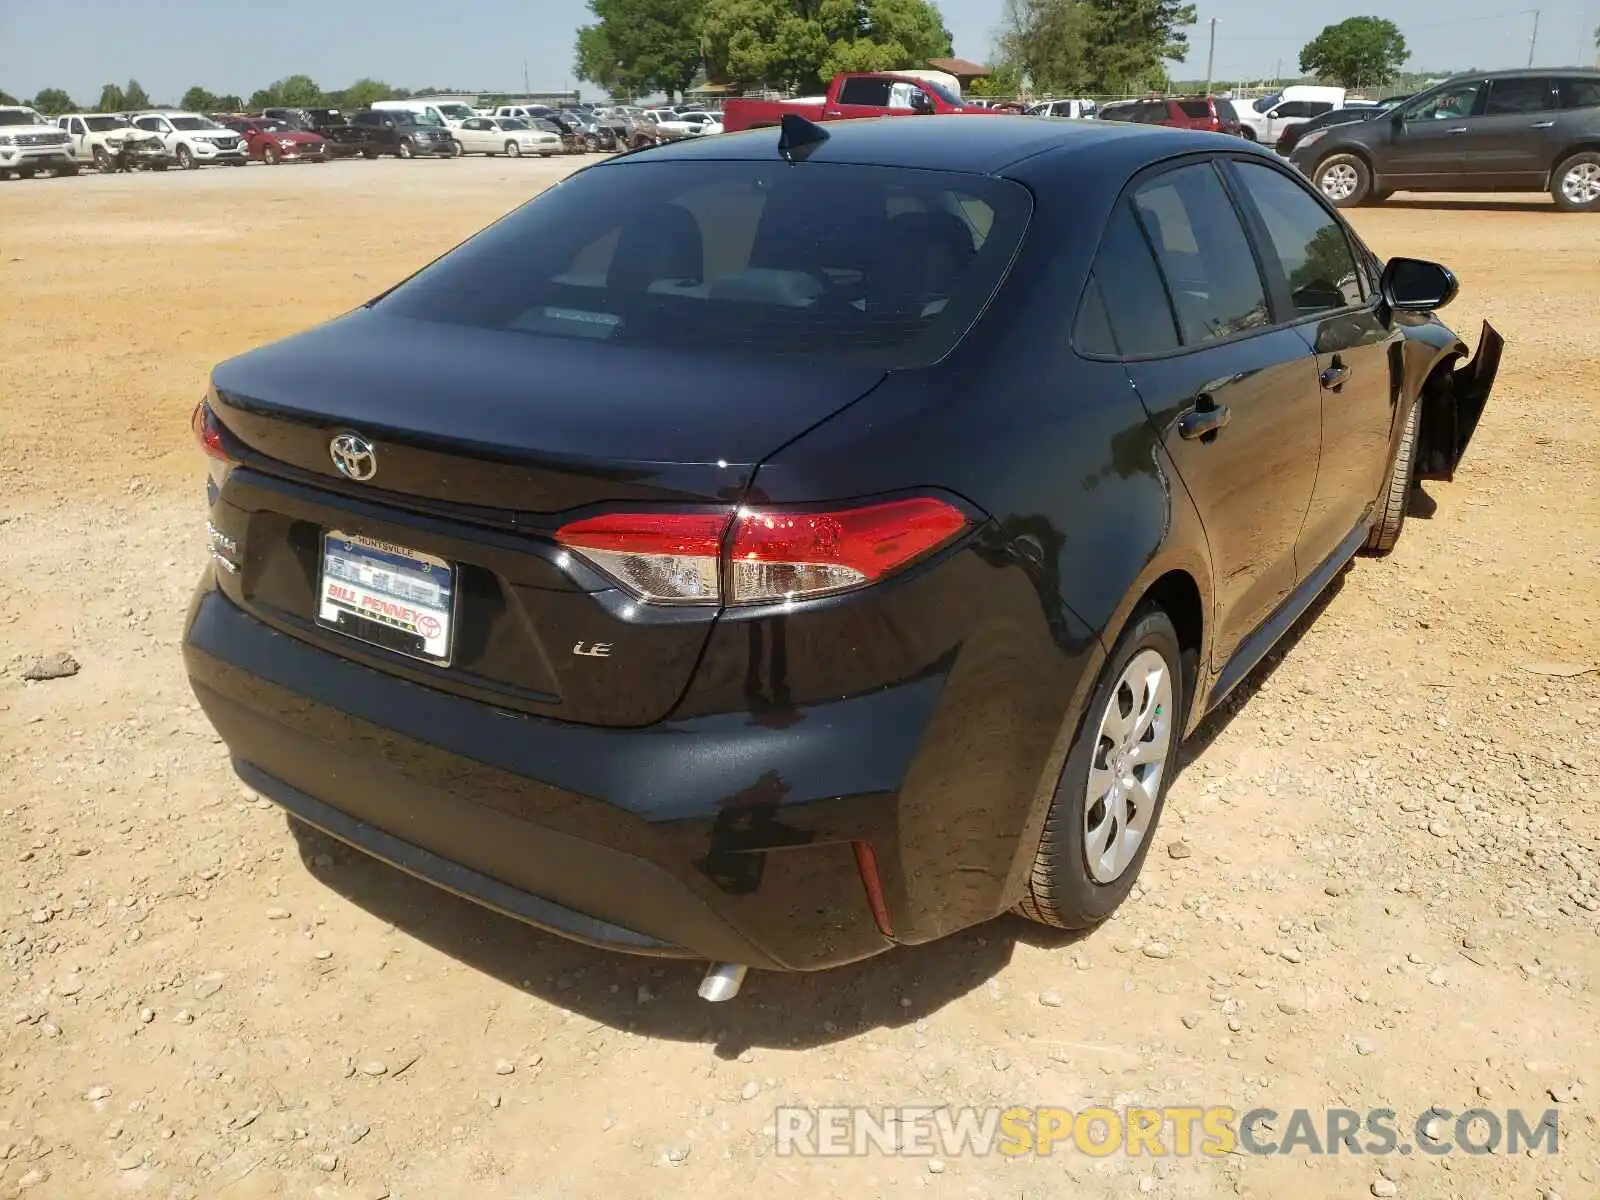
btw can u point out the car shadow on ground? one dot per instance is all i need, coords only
(657, 997)
(1475, 204)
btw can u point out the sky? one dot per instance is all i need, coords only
(240, 45)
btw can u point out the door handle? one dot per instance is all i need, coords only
(1457, 129)
(1204, 420)
(1542, 125)
(1336, 376)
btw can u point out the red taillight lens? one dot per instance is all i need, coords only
(668, 558)
(781, 555)
(773, 554)
(208, 433)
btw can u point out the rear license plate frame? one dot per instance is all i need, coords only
(377, 595)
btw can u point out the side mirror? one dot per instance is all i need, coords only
(1416, 285)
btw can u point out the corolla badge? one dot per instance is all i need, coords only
(354, 456)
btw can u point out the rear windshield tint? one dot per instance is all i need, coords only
(1195, 108)
(870, 265)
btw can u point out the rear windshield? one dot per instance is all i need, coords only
(870, 265)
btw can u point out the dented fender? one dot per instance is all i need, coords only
(1453, 400)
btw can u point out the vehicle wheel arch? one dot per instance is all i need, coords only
(1353, 150)
(1179, 585)
(1587, 144)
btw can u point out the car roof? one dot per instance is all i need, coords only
(1526, 73)
(973, 144)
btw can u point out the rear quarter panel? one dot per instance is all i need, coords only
(1084, 514)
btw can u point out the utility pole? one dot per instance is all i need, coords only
(1278, 72)
(1533, 38)
(1211, 54)
(524, 77)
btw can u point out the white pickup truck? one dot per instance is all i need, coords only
(111, 143)
(30, 144)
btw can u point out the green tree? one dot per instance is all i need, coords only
(7, 98)
(1129, 42)
(197, 99)
(363, 93)
(111, 99)
(295, 91)
(1005, 81)
(134, 96)
(53, 102)
(803, 43)
(1104, 46)
(229, 103)
(1357, 51)
(641, 45)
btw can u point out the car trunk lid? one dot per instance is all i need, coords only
(483, 444)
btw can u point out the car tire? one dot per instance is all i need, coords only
(1248, 134)
(186, 159)
(456, 148)
(270, 155)
(1144, 672)
(514, 150)
(369, 155)
(103, 162)
(1378, 197)
(405, 150)
(25, 172)
(1575, 183)
(1396, 494)
(1343, 179)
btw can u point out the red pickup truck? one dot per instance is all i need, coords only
(860, 94)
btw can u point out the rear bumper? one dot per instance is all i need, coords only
(925, 722)
(665, 841)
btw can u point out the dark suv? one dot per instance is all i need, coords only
(1510, 131)
(403, 135)
(1178, 112)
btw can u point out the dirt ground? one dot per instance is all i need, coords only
(1376, 885)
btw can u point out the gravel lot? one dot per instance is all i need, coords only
(1376, 885)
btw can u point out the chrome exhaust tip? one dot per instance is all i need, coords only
(722, 981)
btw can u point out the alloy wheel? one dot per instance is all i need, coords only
(1130, 759)
(1339, 181)
(1581, 185)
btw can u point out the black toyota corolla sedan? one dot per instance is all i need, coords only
(780, 547)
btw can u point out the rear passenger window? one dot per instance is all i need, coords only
(1511, 97)
(1130, 287)
(1310, 244)
(1580, 93)
(1195, 108)
(865, 91)
(1203, 253)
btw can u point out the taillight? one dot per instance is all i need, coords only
(667, 558)
(780, 555)
(208, 433)
(770, 554)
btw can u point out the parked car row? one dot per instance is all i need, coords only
(32, 144)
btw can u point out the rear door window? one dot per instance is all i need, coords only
(1203, 253)
(1580, 93)
(870, 91)
(1515, 96)
(1130, 289)
(832, 262)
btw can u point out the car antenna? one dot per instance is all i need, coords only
(798, 137)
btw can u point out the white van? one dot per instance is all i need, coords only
(449, 113)
(1265, 119)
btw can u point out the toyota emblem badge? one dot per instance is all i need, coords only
(354, 456)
